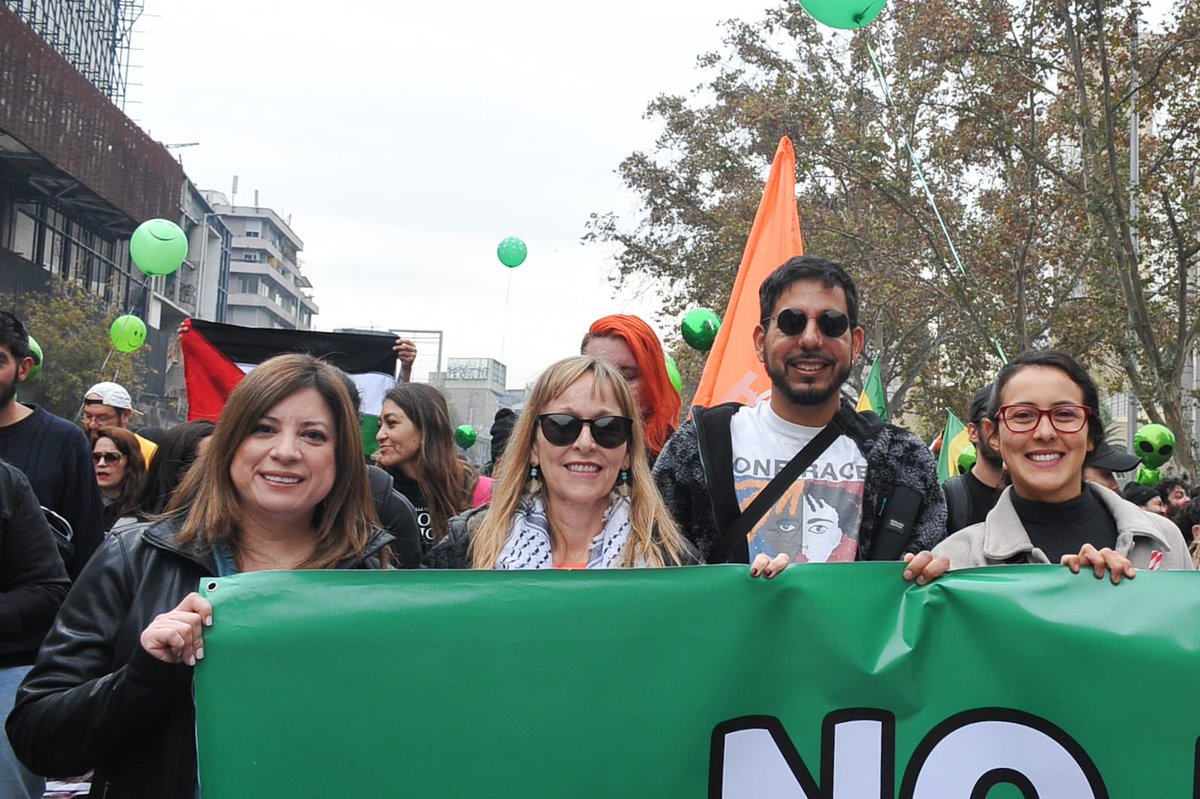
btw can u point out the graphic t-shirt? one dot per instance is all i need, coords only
(817, 518)
(412, 492)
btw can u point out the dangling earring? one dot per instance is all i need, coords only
(534, 477)
(623, 482)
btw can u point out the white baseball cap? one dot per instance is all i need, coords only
(112, 394)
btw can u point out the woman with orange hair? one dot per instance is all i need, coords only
(629, 344)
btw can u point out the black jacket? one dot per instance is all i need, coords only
(396, 516)
(95, 699)
(697, 483)
(33, 580)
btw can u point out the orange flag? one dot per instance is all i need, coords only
(732, 371)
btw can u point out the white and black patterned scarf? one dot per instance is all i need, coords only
(528, 545)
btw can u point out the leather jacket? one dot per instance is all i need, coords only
(95, 698)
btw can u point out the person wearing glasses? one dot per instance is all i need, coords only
(720, 460)
(1044, 419)
(120, 473)
(573, 488)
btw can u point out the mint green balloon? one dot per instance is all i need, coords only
(158, 247)
(35, 350)
(673, 373)
(844, 14)
(699, 328)
(128, 333)
(464, 436)
(512, 252)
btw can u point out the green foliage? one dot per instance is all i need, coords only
(72, 327)
(1018, 112)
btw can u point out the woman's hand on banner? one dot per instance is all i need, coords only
(175, 636)
(923, 567)
(766, 566)
(1100, 561)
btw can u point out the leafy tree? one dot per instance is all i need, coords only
(71, 326)
(1018, 113)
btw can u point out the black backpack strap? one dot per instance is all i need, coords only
(733, 545)
(896, 522)
(958, 504)
(715, 445)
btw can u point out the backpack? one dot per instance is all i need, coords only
(63, 534)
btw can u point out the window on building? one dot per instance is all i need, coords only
(251, 257)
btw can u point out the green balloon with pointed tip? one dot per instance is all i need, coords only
(465, 436)
(35, 350)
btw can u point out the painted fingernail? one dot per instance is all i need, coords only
(208, 621)
(920, 579)
(200, 653)
(754, 572)
(191, 661)
(907, 574)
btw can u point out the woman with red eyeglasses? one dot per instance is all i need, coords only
(120, 473)
(1044, 419)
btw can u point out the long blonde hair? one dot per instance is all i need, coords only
(654, 539)
(208, 501)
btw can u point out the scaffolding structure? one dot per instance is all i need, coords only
(93, 35)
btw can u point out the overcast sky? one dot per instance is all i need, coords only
(406, 140)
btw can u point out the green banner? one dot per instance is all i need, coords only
(829, 682)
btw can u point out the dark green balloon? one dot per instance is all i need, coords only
(128, 333)
(844, 14)
(512, 252)
(699, 328)
(464, 436)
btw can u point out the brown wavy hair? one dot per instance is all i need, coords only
(126, 503)
(207, 499)
(446, 481)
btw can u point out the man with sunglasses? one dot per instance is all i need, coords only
(52, 453)
(805, 438)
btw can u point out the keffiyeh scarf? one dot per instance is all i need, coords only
(528, 545)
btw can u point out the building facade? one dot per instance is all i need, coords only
(266, 287)
(474, 389)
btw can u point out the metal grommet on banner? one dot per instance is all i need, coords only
(211, 586)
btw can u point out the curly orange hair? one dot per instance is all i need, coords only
(661, 402)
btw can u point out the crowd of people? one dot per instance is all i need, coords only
(596, 470)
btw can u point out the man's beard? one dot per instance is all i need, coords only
(8, 392)
(984, 451)
(809, 395)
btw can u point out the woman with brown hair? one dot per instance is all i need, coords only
(416, 446)
(282, 486)
(120, 472)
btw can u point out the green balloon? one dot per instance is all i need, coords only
(673, 373)
(967, 458)
(35, 350)
(699, 328)
(845, 14)
(512, 252)
(1154, 444)
(464, 436)
(158, 247)
(128, 333)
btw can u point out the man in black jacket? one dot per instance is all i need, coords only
(33, 583)
(871, 492)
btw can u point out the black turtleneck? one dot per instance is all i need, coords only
(1062, 528)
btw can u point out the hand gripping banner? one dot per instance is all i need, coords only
(830, 682)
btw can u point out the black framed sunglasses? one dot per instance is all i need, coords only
(107, 457)
(792, 322)
(562, 429)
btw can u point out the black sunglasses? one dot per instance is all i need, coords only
(792, 322)
(562, 429)
(107, 457)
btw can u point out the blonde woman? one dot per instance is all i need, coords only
(573, 489)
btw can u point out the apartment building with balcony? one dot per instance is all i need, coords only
(266, 287)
